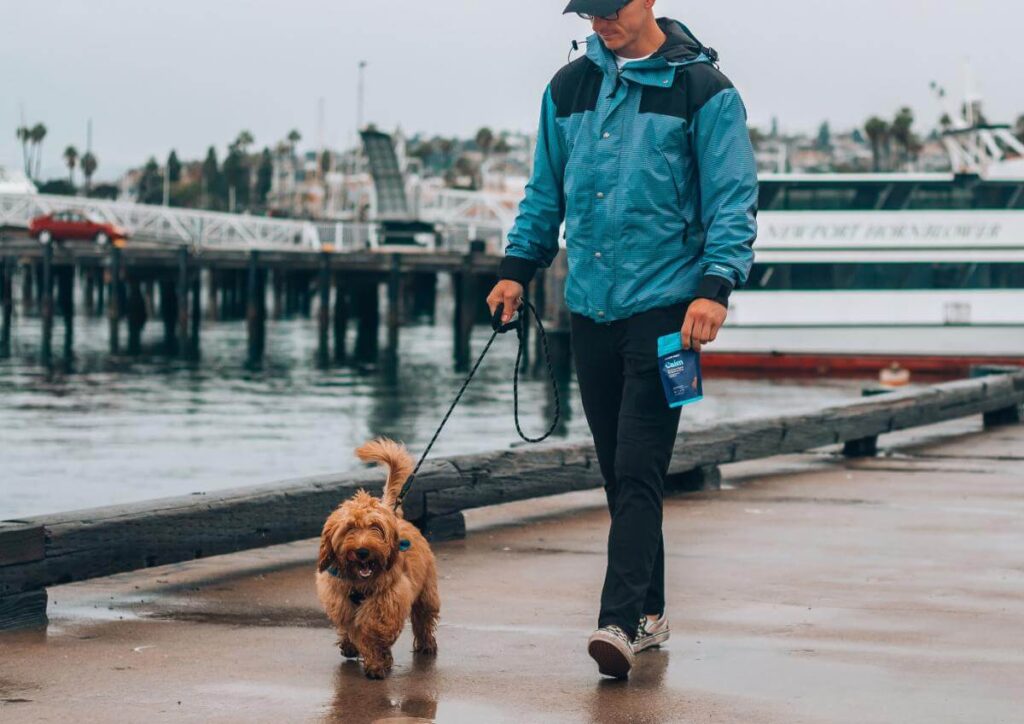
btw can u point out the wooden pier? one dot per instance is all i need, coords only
(183, 287)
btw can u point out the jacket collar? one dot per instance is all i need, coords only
(680, 48)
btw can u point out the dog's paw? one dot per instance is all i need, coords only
(377, 665)
(377, 672)
(349, 650)
(427, 648)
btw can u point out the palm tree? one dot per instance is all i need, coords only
(71, 159)
(244, 140)
(293, 138)
(24, 135)
(878, 134)
(484, 140)
(88, 163)
(901, 132)
(38, 134)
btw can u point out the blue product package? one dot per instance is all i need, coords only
(680, 371)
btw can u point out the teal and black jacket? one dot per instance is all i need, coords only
(653, 172)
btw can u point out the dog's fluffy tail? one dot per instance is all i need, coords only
(385, 451)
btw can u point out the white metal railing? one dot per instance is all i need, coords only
(168, 224)
(461, 216)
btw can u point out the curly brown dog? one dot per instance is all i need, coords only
(376, 569)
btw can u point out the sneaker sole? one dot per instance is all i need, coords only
(610, 661)
(653, 640)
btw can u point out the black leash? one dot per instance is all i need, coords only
(499, 328)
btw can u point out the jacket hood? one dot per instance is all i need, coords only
(681, 47)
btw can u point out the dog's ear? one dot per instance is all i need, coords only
(393, 549)
(327, 558)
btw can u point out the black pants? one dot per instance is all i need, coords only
(634, 431)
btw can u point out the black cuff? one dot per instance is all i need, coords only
(716, 288)
(517, 269)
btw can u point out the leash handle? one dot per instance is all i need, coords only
(496, 324)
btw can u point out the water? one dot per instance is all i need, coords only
(122, 429)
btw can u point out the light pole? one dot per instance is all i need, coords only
(359, 100)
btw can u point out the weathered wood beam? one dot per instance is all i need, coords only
(103, 541)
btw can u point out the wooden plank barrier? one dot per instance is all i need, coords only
(55, 549)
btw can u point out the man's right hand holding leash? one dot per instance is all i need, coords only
(509, 293)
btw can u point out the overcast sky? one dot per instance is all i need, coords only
(185, 74)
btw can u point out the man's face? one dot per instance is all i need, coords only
(621, 32)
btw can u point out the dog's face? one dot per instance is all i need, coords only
(360, 539)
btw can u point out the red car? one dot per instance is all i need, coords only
(74, 225)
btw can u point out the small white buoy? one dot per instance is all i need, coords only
(894, 375)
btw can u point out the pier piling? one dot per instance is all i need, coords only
(255, 314)
(46, 299)
(394, 319)
(67, 308)
(114, 302)
(366, 302)
(136, 314)
(183, 297)
(324, 307)
(169, 314)
(341, 314)
(7, 304)
(196, 320)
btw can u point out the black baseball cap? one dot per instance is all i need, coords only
(600, 8)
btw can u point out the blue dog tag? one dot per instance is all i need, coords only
(680, 371)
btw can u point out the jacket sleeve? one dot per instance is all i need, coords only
(728, 189)
(533, 241)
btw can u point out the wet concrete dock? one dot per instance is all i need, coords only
(812, 588)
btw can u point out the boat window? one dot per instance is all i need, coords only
(903, 275)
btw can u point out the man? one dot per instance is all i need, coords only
(643, 149)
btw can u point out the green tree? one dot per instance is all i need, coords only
(236, 177)
(24, 135)
(902, 133)
(244, 140)
(877, 131)
(37, 134)
(213, 181)
(173, 168)
(89, 164)
(824, 136)
(293, 139)
(325, 163)
(151, 184)
(1018, 129)
(71, 160)
(264, 177)
(485, 140)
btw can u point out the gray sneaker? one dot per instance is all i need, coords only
(650, 633)
(611, 648)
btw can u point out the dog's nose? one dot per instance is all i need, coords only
(362, 553)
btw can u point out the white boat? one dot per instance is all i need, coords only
(854, 272)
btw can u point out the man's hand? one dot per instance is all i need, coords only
(509, 293)
(704, 317)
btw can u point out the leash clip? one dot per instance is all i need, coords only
(496, 324)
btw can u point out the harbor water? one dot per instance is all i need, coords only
(101, 430)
